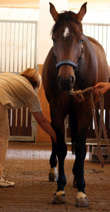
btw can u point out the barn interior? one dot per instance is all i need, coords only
(25, 39)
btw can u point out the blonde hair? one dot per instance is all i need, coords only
(33, 76)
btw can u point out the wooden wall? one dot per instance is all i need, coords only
(41, 135)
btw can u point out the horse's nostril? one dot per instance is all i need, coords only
(71, 79)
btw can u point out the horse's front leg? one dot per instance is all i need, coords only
(60, 149)
(78, 169)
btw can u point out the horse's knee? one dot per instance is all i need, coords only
(61, 150)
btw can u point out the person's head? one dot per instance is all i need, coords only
(33, 76)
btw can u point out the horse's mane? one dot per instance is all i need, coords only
(66, 16)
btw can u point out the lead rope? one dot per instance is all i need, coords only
(102, 128)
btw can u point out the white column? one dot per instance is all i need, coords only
(45, 24)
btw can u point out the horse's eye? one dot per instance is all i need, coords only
(81, 41)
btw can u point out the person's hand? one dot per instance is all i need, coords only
(45, 125)
(101, 87)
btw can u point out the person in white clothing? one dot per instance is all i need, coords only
(18, 90)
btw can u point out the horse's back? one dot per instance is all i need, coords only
(102, 65)
(94, 41)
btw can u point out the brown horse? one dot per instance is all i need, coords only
(74, 62)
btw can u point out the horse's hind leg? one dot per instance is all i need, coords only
(74, 170)
(53, 175)
(73, 128)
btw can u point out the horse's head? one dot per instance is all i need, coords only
(67, 39)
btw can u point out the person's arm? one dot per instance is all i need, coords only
(44, 124)
(101, 87)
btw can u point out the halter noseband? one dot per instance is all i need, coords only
(68, 62)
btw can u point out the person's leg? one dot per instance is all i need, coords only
(3, 151)
(4, 136)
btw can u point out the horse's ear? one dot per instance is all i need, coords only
(53, 12)
(82, 12)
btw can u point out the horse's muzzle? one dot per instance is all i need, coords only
(66, 84)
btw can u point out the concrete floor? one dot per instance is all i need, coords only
(28, 165)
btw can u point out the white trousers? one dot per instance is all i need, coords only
(4, 136)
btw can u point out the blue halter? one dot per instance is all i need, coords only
(68, 62)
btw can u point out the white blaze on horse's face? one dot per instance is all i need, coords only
(66, 32)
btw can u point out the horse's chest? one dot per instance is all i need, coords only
(64, 102)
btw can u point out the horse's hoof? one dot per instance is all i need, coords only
(53, 175)
(59, 197)
(81, 200)
(74, 184)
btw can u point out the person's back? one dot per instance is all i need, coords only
(16, 91)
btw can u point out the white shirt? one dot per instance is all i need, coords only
(16, 91)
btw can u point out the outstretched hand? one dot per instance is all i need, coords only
(101, 87)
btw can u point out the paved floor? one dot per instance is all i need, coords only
(28, 165)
